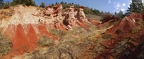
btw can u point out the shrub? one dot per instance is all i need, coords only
(107, 36)
(59, 33)
(119, 32)
(42, 5)
(5, 45)
(133, 31)
(6, 5)
(45, 41)
(25, 2)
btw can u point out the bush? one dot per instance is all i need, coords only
(6, 5)
(119, 32)
(5, 45)
(42, 5)
(107, 36)
(45, 41)
(134, 31)
(24, 2)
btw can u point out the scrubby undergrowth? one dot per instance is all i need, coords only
(5, 45)
(78, 43)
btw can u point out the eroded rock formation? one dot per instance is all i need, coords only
(125, 39)
(27, 24)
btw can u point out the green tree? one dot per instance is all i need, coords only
(6, 5)
(42, 5)
(96, 12)
(88, 10)
(136, 7)
(56, 3)
(62, 3)
(119, 14)
(25, 2)
(1, 3)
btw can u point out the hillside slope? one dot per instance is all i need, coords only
(50, 33)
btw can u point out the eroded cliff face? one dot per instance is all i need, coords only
(24, 25)
(125, 39)
(72, 36)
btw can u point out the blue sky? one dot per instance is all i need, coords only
(102, 5)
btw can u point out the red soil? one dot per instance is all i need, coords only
(10, 30)
(21, 43)
(32, 36)
(94, 22)
(43, 31)
(24, 37)
(60, 26)
(82, 24)
(124, 25)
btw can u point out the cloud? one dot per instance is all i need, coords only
(118, 5)
(123, 9)
(109, 1)
(123, 4)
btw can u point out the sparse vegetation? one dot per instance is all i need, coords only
(119, 31)
(80, 43)
(6, 5)
(119, 14)
(5, 45)
(6, 13)
(24, 2)
(74, 44)
(139, 22)
(1, 3)
(43, 5)
(134, 31)
(107, 36)
(45, 41)
(16, 2)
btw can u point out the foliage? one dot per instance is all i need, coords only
(87, 10)
(107, 36)
(45, 41)
(97, 12)
(24, 2)
(16, 2)
(73, 44)
(134, 31)
(42, 5)
(119, 31)
(119, 14)
(140, 22)
(136, 7)
(1, 3)
(6, 5)
(5, 45)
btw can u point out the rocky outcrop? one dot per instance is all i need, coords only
(127, 23)
(27, 24)
(75, 17)
(124, 25)
(94, 22)
(125, 39)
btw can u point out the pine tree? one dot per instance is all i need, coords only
(42, 5)
(62, 3)
(119, 14)
(56, 3)
(136, 7)
(25, 2)
(1, 3)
